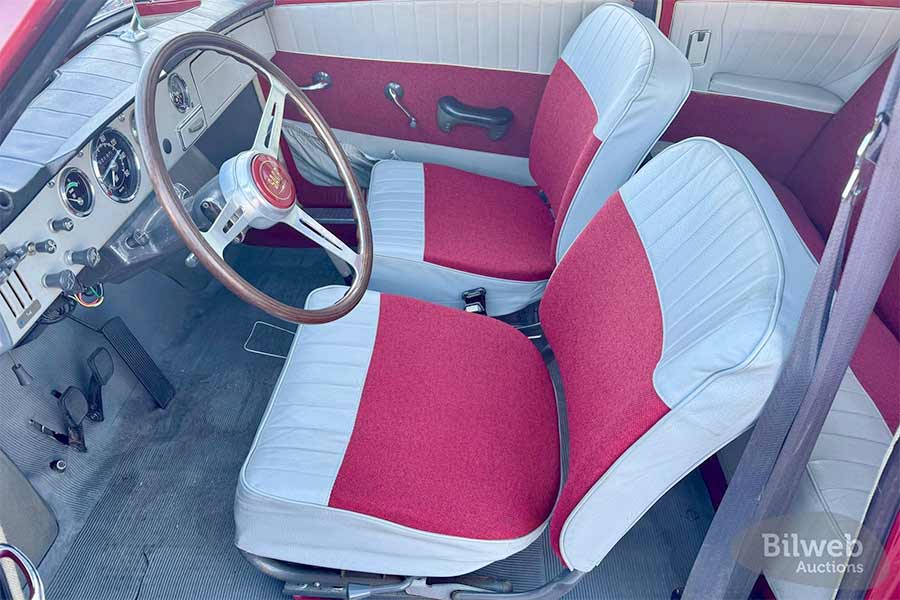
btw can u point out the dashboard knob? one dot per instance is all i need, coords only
(89, 257)
(64, 280)
(64, 224)
(45, 247)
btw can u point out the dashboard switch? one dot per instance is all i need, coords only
(64, 280)
(45, 247)
(89, 257)
(64, 224)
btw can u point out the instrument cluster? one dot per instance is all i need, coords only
(116, 170)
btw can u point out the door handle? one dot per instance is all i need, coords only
(32, 577)
(394, 92)
(320, 81)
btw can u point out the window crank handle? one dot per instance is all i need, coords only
(394, 92)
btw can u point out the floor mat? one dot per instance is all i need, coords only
(162, 527)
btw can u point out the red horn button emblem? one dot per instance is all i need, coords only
(273, 181)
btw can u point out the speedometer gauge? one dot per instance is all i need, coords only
(76, 192)
(115, 165)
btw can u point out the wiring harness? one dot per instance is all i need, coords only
(91, 297)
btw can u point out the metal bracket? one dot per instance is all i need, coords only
(135, 32)
(698, 47)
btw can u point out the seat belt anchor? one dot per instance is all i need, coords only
(475, 301)
(865, 152)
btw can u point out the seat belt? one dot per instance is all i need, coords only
(830, 327)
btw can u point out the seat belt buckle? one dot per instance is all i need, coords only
(475, 301)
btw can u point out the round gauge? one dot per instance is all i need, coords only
(115, 165)
(76, 192)
(178, 93)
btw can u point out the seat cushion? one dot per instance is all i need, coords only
(404, 426)
(438, 232)
(487, 226)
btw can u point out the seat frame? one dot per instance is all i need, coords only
(318, 582)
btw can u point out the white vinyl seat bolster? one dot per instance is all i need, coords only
(715, 235)
(841, 474)
(635, 108)
(396, 204)
(281, 504)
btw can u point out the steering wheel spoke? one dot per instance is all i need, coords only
(268, 135)
(230, 223)
(319, 234)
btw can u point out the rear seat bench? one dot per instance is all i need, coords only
(845, 461)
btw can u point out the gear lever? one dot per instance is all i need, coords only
(102, 369)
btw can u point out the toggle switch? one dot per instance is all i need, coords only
(89, 257)
(64, 224)
(45, 247)
(64, 280)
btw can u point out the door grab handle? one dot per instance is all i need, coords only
(32, 577)
(394, 92)
(320, 81)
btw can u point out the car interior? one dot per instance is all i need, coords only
(441, 299)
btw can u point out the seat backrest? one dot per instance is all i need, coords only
(670, 318)
(614, 91)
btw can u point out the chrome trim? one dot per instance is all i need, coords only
(320, 81)
(175, 80)
(135, 160)
(32, 577)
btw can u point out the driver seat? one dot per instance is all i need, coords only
(413, 439)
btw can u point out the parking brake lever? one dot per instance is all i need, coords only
(394, 92)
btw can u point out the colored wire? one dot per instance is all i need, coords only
(92, 297)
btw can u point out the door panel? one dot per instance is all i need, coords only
(486, 53)
(769, 75)
(356, 100)
(812, 56)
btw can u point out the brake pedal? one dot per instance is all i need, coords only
(144, 368)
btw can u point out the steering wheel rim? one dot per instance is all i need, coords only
(198, 242)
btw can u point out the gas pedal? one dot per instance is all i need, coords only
(144, 368)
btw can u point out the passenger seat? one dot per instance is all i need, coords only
(439, 231)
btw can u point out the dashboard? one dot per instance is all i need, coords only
(97, 190)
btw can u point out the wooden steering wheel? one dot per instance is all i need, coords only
(256, 187)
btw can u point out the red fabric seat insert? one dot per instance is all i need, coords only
(457, 429)
(602, 303)
(486, 226)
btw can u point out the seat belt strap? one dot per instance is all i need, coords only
(829, 330)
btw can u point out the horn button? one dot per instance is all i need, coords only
(273, 181)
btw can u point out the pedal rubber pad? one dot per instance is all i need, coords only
(144, 368)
